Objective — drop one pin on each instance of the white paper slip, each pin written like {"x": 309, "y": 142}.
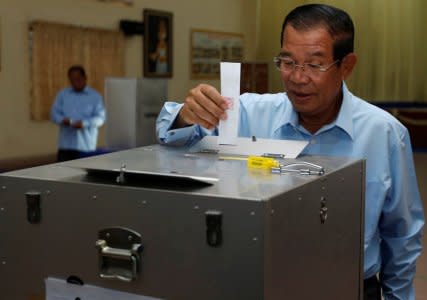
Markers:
{"x": 230, "y": 88}
{"x": 248, "y": 146}
{"x": 57, "y": 289}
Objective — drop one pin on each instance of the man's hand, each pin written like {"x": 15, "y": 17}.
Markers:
{"x": 77, "y": 125}
{"x": 66, "y": 122}
{"x": 203, "y": 106}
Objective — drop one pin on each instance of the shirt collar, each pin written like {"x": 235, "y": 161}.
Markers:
{"x": 289, "y": 117}
{"x": 85, "y": 90}
{"x": 344, "y": 119}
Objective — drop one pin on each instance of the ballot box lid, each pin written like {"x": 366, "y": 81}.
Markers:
{"x": 177, "y": 169}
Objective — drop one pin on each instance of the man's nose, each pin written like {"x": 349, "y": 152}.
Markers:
{"x": 298, "y": 75}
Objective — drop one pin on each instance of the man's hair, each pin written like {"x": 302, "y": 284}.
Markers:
{"x": 77, "y": 68}
{"x": 336, "y": 21}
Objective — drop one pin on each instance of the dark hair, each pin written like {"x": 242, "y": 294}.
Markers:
{"x": 336, "y": 21}
{"x": 77, "y": 68}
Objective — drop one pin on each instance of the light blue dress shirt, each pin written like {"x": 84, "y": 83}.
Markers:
{"x": 86, "y": 106}
{"x": 394, "y": 216}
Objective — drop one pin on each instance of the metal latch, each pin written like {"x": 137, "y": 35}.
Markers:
{"x": 213, "y": 228}
{"x": 34, "y": 211}
{"x": 120, "y": 252}
{"x": 323, "y": 210}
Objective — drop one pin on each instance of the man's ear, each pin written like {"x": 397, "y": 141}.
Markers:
{"x": 347, "y": 65}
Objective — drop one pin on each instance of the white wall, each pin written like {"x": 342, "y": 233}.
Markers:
{"x": 19, "y": 135}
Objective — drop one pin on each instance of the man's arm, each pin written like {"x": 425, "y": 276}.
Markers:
{"x": 98, "y": 116}
{"x": 184, "y": 124}
{"x": 401, "y": 225}
{"x": 56, "y": 113}
{"x": 174, "y": 133}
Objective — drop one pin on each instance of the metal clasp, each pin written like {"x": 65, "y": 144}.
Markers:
{"x": 121, "y": 178}
{"x": 303, "y": 168}
{"x": 323, "y": 210}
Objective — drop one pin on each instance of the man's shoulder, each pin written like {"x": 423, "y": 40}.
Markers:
{"x": 92, "y": 91}
{"x": 63, "y": 94}
{"x": 370, "y": 115}
{"x": 65, "y": 91}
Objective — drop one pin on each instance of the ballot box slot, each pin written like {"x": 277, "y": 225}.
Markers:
{"x": 146, "y": 180}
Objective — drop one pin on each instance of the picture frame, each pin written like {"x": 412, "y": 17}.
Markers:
{"x": 158, "y": 43}
{"x": 208, "y": 48}
{"x": 0, "y": 44}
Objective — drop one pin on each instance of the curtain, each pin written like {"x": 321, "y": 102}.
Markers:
{"x": 391, "y": 64}
{"x": 103, "y": 56}
{"x": 55, "y": 47}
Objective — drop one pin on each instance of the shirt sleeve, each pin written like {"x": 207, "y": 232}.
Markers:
{"x": 98, "y": 116}
{"x": 401, "y": 225}
{"x": 186, "y": 136}
{"x": 56, "y": 112}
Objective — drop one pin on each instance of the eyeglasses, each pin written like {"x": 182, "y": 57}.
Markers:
{"x": 288, "y": 65}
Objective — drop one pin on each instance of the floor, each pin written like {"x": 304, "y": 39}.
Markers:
{"x": 421, "y": 275}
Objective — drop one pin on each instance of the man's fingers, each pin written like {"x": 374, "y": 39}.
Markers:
{"x": 210, "y": 106}
{"x": 211, "y": 93}
{"x": 191, "y": 118}
{"x": 204, "y": 106}
{"x": 201, "y": 112}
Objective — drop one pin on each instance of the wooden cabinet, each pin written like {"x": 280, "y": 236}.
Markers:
{"x": 254, "y": 78}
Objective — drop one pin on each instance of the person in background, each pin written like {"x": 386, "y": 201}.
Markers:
{"x": 316, "y": 55}
{"x": 78, "y": 111}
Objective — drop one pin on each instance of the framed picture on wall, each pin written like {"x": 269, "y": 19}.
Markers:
{"x": 209, "y": 48}
{"x": 0, "y": 45}
{"x": 158, "y": 46}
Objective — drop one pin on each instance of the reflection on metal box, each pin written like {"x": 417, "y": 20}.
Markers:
{"x": 164, "y": 223}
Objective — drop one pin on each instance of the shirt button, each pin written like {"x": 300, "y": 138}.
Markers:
{"x": 313, "y": 141}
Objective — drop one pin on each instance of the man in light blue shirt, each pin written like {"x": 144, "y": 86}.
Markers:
{"x": 78, "y": 111}
{"x": 316, "y": 57}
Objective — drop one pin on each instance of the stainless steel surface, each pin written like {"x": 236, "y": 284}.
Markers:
{"x": 319, "y": 254}
{"x": 232, "y": 178}
{"x": 274, "y": 244}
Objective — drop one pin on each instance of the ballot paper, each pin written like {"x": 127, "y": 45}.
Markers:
{"x": 230, "y": 89}
{"x": 58, "y": 289}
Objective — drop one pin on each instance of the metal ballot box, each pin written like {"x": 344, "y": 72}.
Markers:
{"x": 163, "y": 223}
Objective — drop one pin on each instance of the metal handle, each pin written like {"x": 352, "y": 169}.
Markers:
{"x": 115, "y": 252}
{"x": 119, "y": 254}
